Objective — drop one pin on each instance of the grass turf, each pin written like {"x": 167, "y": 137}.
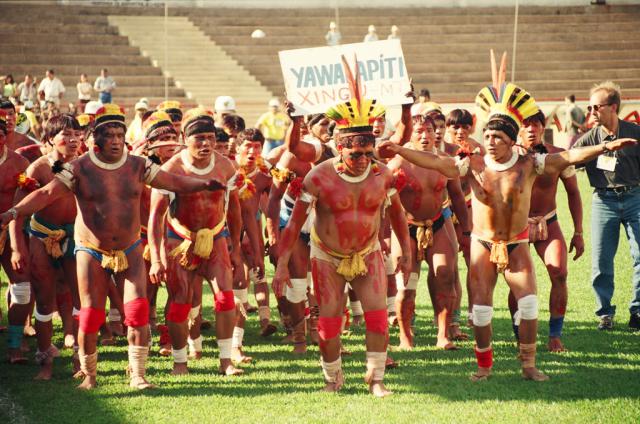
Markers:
{"x": 596, "y": 381}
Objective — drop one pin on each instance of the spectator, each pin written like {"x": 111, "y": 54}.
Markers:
{"x": 615, "y": 177}
{"x": 84, "y": 92}
{"x": 104, "y": 85}
{"x": 424, "y": 96}
{"x": 51, "y": 89}
{"x": 394, "y": 33}
{"x": 273, "y": 125}
{"x": 224, "y": 105}
{"x": 27, "y": 90}
{"x": 9, "y": 89}
{"x": 134, "y": 132}
{"x": 333, "y": 36}
{"x": 371, "y": 35}
{"x": 575, "y": 120}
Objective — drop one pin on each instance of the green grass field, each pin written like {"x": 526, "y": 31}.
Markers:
{"x": 598, "y": 380}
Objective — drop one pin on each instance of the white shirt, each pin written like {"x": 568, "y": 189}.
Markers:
{"x": 52, "y": 88}
{"x": 104, "y": 84}
{"x": 84, "y": 91}
{"x": 370, "y": 37}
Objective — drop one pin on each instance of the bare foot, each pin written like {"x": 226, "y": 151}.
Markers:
{"x": 390, "y": 363}
{"x": 69, "y": 341}
{"x": 180, "y": 369}
{"x": 238, "y": 356}
{"x": 45, "y": 372}
{"x": 446, "y": 344}
{"x": 29, "y": 331}
{"x": 335, "y": 387}
{"x": 456, "y": 335}
{"x": 357, "y": 320}
{"x": 481, "y": 375}
{"x": 378, "y": 389}
{"x": 227, "y": 368}
{"x": 165, "y": 350}
{"x": 88, "y": 383}
{"x": 196, "y": 356}
{"x": 16, "y": 357}
{"x": 117, "y": 329}
{"x": 555, "y": 345}
{"x": 534, "y": 374}
{"x": 300, "y": 348}
{"x": 267, "y": 328}
{"x": 79, "y": 375}
{"x": 141, "y": 383}
{"x": 405, "y": 345}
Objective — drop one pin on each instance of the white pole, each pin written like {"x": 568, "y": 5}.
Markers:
{"x": 166, "y": 51}
{"x": 515, "y": 40}
{"x": 337, "y": 12}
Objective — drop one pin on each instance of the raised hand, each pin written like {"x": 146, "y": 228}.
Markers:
{"x": 620, "y": 143}
{"x": 388, "y": 149}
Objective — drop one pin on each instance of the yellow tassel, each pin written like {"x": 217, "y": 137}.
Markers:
{"x": 424, "y": 237}
{"x": 115, "y": 260}
{"x": 182, "y": 250}
{"x": 352, "y": 267}
{"x": 146, "y": 253}
{"x": 52, "y": 241}
{"x": 499, "y": 255}
{"x": 204, "y": 242}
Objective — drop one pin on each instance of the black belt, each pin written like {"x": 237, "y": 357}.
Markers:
{"x": 617, "y": 190}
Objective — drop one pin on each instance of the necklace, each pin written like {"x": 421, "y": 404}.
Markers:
{"x": 108, "y": 166}
{"x": 340, "y": 169}
{"x": 184, "y": 155}
{"x": 497, "y": 166}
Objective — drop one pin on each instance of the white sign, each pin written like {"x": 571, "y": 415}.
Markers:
{"x": 315, "y": 78}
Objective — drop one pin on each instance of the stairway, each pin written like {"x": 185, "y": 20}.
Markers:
{"x": 195, "y": 63}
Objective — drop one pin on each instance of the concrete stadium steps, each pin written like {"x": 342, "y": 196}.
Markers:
{"x": 197, "y": 64}
{"x": 560, "y": 50}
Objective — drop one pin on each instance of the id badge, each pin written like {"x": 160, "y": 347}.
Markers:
{"x": 606, "y": 163}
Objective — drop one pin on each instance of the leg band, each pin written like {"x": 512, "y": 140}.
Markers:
{"x": 482, "y": 315}
{"x": 329, "y": 327}
{"x": 178, "y": 312}
{"x": 412, "y": 282}
{"x": 376, "y": 321}
{"x": 389, "y": 269}
{"x": 42, "y": 317}
{"x": 114, "y": 315}
{"x": 16, "y": 332}
{"x": 224, "y": 301}
{"x": 20, "y": 293}
{"x": 224, "y": 345}
{"x": 555, "y": 326}
{"x": 528, "y": 307}
{"x": 391, "y": 304}
{"x": 331, "y": 370}
{"x": 136, "y": 312}
{"x": 297, "y": 293}
{"x": 138, "y": 360}
{"x": 91, "y": 319}
{"x": 195, "y": 345}
{"x": 264, "y": 313}
{"x": 241, "y": 295}
{"x": 179, "y": 355}
{"x": 484, "y": 356}
{"x": 527, "y": 355}
{"x": 375, "y": 365}
{"x": 89, "y": 364}
{"x": 356, "y": 308}
{"x": 236, "y": 339}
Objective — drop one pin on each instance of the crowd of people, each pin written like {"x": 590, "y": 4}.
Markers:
{"x": 344, "y": 209}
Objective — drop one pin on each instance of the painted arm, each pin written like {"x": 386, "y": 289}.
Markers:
{"x": 273, "y": 211}
{"x": 36, "y": 200}
{"x": 234, "y": 223}
{"x": 156, "y": 227}
{"x": 556, "y": 162}
{"x": 401, "y": 229}
{"x": 252, "y": 229}
{"x": 404, "y": 128}
{"x": 575, "y": 207}
{"x": 446, "y": 166}
{"x": 302, "y": 150}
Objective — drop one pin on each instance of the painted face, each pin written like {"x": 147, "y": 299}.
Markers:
{"x": 166, "y": 152}
{"x": 459, "y": 133}
{"x": 423, "y": 136}
{"x": 112, "y": 142}
{"x": 66, "y": 142}
{"x": 248, "y": 152}
{"x": 531, "y": 132}
{"x": 439, "y": 131}
{"x": 379, "y": 125}
{"x": 320, "y": 130}
{"x": 357, "y": 157}
{"x": 498, "y": 145}
{"x": 201, "y": 145}
{"x": 602, "y": 113}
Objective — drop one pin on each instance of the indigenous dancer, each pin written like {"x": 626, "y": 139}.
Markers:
{"x": 12, "y": 167}
{"x": 49, "y": 250}
{"x": 196, "y": 240}
{"x": 107, "y": 183}
{"x": 20, "y": 143}
{"x": 348, "y": 194}
{"x": 544, "y": 229}
{"x": 501, "y": 184}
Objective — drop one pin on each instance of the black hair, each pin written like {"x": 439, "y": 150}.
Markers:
{"x": 505, "y": 124}
{"x": 58, "y": 123}
{"x": 6, "y": 104}
{"x": 234, "y": 122}
{"x": 251, "y": 134}
{"x": 459, "y": 117}
{"x": 221, "y": 135}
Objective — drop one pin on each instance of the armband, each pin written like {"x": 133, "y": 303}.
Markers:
{"x": 539, "y": 160}
{"x": 568, "y": 172}
{"x": 66, "y": 176}
{"x": 462, "y": 163}
{"x": 151, "y": 169}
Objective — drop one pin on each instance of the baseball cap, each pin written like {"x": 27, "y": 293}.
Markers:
{"x": 224, "y": 104}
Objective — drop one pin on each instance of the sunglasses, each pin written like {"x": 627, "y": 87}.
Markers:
{"x": 596, "y": 108}
{"x": 358, "y": 155}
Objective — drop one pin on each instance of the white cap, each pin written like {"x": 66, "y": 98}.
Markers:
{"x": 143, "y": 104}
{"x": 224, "y": 104}
{"x": 274, "y": 103}
{"x": 394, "y": 28}
{"x": 372, "y": 28}
{"x": 258, "y": 33}
{"x": 92, "y": 107}
{"x": 416, "y": 109}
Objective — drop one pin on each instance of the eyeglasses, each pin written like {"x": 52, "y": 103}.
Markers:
{"x": 358, "y": 155}
{"x": 596, "y": 108}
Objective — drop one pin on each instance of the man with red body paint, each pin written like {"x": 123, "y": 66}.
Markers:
{"x": 196, "y": 240}
{"x": 349, "y": 194}
{"x": 107, "y": 184}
